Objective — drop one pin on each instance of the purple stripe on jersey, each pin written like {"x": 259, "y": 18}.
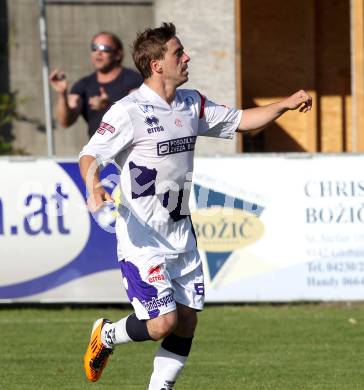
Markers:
{"x": 142, "y": 180}
{"x": 139, "y": 289}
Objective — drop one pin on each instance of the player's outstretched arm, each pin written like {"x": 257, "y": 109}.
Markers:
{"x": 258, "y": 118}
{"x": 97, "y": 194}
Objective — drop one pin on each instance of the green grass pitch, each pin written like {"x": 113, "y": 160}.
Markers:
{"x": 236, "y": 347}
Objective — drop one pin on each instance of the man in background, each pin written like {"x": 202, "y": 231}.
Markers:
{"x": 92, "y": 96}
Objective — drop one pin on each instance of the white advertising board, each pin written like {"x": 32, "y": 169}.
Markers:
{"x": 302, "y": 235}
{"x": 270, "y": 228}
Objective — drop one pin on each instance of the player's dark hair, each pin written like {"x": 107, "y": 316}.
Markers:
{"x": 151, "y": 45}
{"x": 115, "y": 40}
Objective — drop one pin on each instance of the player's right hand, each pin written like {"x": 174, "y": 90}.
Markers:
{"x": 300, "y": 100}
{"x": 96, "y": 200}
{"x": 58, "y": 81}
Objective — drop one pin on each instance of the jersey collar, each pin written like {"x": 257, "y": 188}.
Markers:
{"x": 151, "y": 95}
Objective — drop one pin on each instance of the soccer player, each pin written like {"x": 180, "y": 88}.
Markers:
{"x": 151, "y": 135}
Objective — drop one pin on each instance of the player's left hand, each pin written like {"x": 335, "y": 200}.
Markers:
{"x": 99, "y": 102}
{"x": 300, "y": 100}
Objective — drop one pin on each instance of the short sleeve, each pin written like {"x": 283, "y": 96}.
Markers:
{"x": 78, "y": 88}
{"x": 217, "y": 120}
{"x": 136, "y": 79}
{"x": 114, "y": 134}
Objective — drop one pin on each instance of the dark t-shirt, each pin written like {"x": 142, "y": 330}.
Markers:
{"x": 88, "y": 86}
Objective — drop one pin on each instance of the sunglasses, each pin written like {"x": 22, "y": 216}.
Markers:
{"x": 101, "y": 47}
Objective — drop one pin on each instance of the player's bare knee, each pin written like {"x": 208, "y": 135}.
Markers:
{"x": 166, "y": 327}
{"x": 162, "y": 326}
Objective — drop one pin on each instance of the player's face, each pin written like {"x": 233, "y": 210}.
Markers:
{"x": 104, "y": 55}
{"x": 175, "y": 62}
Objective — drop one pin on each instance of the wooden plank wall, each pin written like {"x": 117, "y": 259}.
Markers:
{"x": 288, "y": 45}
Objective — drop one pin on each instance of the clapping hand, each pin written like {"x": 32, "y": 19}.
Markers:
{"x": 99, "y": 102}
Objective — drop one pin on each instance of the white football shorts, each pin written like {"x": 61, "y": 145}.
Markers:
{"x": 155, "y": 284}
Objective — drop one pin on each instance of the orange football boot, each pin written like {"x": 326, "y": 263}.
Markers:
{"x": 97, "y": 355}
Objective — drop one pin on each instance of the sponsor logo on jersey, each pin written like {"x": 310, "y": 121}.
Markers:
{"x": 104, "y": 127}
{"x": 156, "y": 303}
{"x": 155, "y": 275}
{"x": 151, "y": 120}
{"x": 177, "y": 145}
{"x": 146, "y": 108}
{"x": 153, "y": 123}
{"x": 178, "y": 122}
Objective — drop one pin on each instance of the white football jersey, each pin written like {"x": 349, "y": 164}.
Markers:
{"x": 153, "y": 143}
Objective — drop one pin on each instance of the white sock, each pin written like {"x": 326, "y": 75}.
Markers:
{"x": 167, "y": 367}
{"x": 115, "y": 333}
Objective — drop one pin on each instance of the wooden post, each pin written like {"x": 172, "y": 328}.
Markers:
{"x": 357, "y": 74}
{"x": 238, "y": 68}
{"x": 313, "y": 141}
